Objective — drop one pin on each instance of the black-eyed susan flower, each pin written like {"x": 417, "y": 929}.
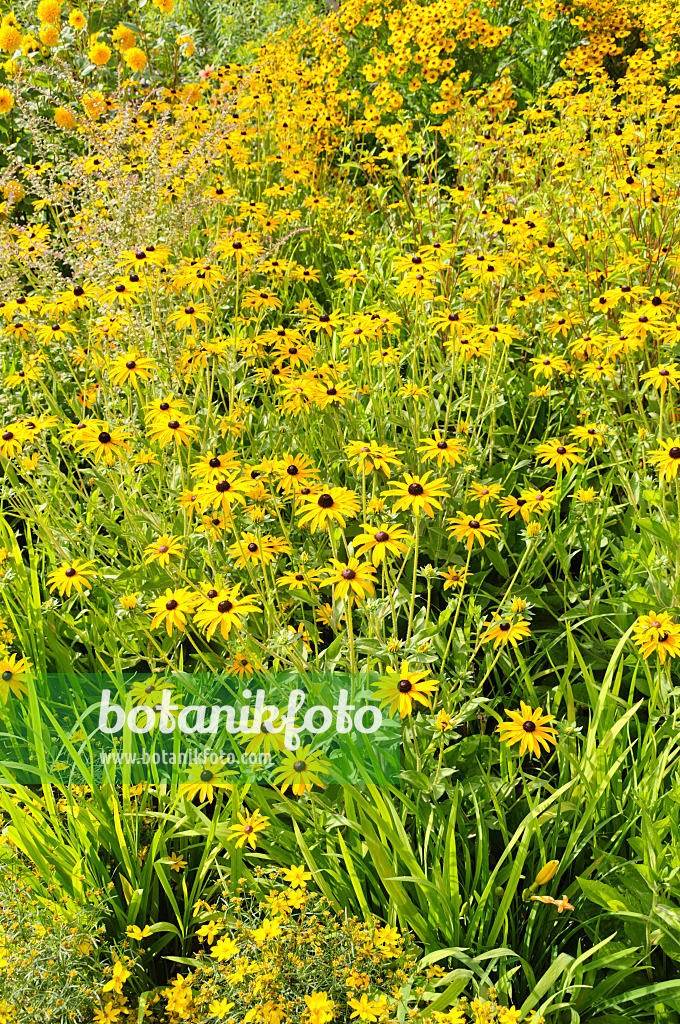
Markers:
{"x": 76, "y": 575}
{"x": 203, "y": 780}
{"x": 224, "y": 610}
{"x": 179, "y": 431}
{"x": 418, "y": 493}
{"x": 335, "y": 505}
{"x": 248, "y": 828}
{"x": 12, "y": 672}
{"x": 172, "y": 608}
{"x": 352, "y": 579}
{"x": 131, "y": 366}
{"x": 190, "y": 316}
{"x": 295, "y": 472}
{"x": 223, "y": 493}
{"x": 303, "y": 578}
{"x": 528, "y": 728}
{"x": 505, "y": 631}
{"x": 401, "y": 690}
{"x": 591, "y": 433}
{"x": 440, "y": 449}
{"x": 12, "y": 439}
{"x": 663, "y": 376}
{"x": 380, "y": 541}
{"x": 163, "y": 550}
{"x": 558, "y": 455}
{"x": 539, "y": 499}
{"x": 249, "y": 548}
{"x": 484, "y": 493}
{"x": 453, "y": 577}
{"x": 369, "y": 455}
{"x": 667, "y": 458}
{"x": 657, "y": 633}
{"x": 472, "y": 528}
{"x": 102, "y": 441}
{"x": 300, "y": 770}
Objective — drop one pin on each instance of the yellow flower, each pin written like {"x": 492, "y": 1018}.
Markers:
{"x": 6, "y": 101}
{"x": 135, "y": 58}
{"x": 71, "y": 576}
{"x": 120, "y": 976}
{"x": 247, "y": 828}
{"x": 100, "y": 54}
{"x": 401, "y": 690}
{"x": 63, "y": 118}
{"x": 133, "y": 931}
{"x": 77, "y": 20}
{"x": 546, "y": 874}
{"x": 506, "y": 632}
{"x": 320, "y": 1009}
{"x": 224, "y": 949}
{"x": 49, "y": 12}
{"x": 418, "y": 493}
{"x": 471, "y": 528}
{"x": 49, "y": 35}
{"x": 529, "y": 729}
{"x": 177, "y": 862}
{"x": 268, "y": 930}
{"x": 167, "y": 546}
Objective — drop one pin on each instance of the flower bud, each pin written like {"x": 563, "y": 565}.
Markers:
{"x": 547, "y": 872}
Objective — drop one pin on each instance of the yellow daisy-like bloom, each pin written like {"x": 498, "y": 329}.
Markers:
{"x": 202, "y": 782}
{"x": 12, "y": 669}
{"x": 224, "y": 609}
{"x": 172, "y": 608}
{"x": 294, "y": 473}
{"x": 503, "y": 632}
{"x": 71, "y": 576}
{"x": 539, "y": 500}
{"x": 247, "y": 829}
{"x": 223, "y": 493}
{"x": 131, "y": 366}
{"x": 589, "y": 432}
{"x": 380, "y": 541}
{"x": 369, "y": 455}
{"x": 181, "y": 431}
{"x": 662, "y": 376}
{"x": 250, "y": 548}
{"x": 451, "y": 452}
{"x": 560, "y": 456}
{"x": 103, "y": 441}
{"x": 667, "y": 458}
{"x": 167, "y": 546}
{"x": 190, "y": 316}
{"x": 418, "y": 493}
{"x": 353, "y": 578}
{"x": 335, "y": 505}
{"x": 77, "y": 20}
{"x": 401, "y": 690}
{"x": 657, "y": 633}
{"x": 454, "y": 577}
{"x": 529, "y": 729}
{"x": 472, "y": 528}
{"x": 300, "y": 770}
{"x": 485, "y": 492}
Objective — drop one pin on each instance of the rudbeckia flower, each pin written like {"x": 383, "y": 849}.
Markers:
{"x": 404, "y": 689}
{"x": 528, "y": 728}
